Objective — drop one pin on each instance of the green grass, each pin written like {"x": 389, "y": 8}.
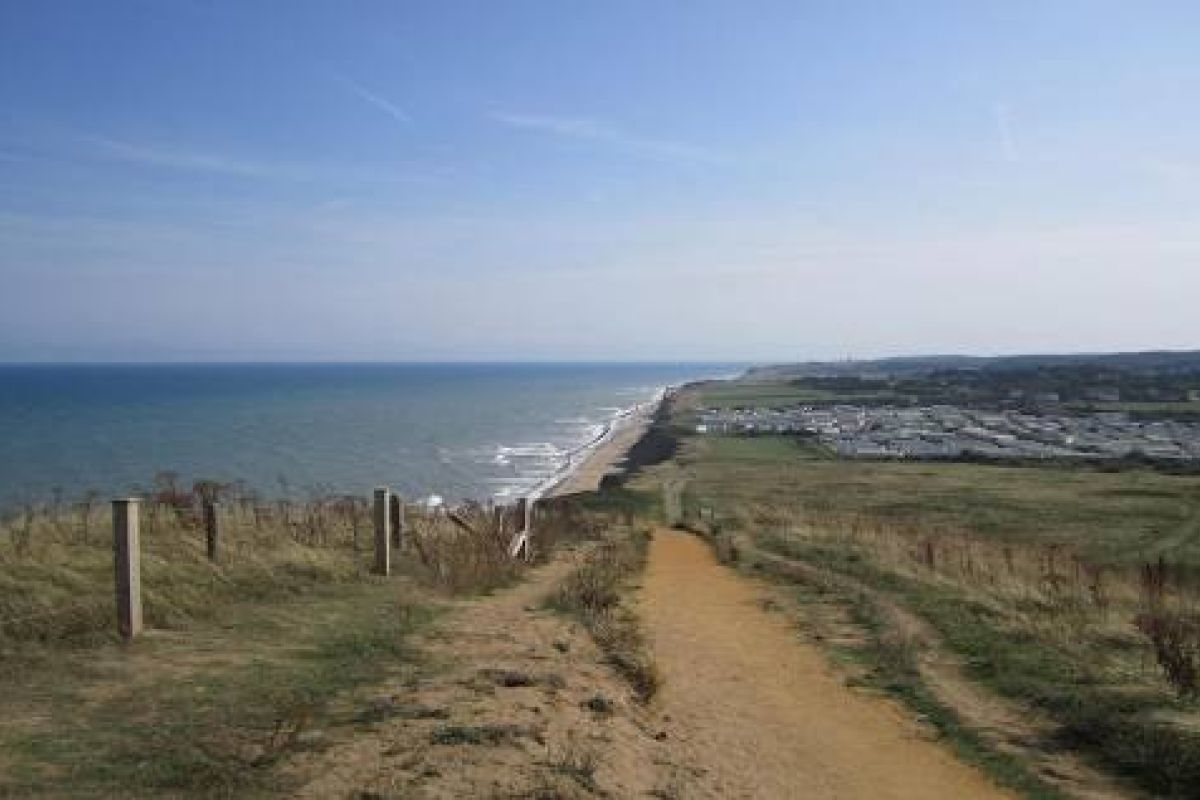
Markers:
{"x": 763, "y": 449}
{"x": 1186, "y": 406}
{"x": 893, "y": 668}
{"x": 1118, "y": 517}
{"x": 205, "y": 715}
{"x": 888, "y": 660}
{"x": 58, "y": 586}
{"x": 747, "y": 394}
{"x": 1111, "y": 719}
{"x": 243, "y": 661}
{"x": 1053, "y": 649}
{"x": 616, "y": 500}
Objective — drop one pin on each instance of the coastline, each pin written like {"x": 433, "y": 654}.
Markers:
{"x": 589, "y": 463}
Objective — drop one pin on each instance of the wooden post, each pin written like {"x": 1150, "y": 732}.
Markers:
{"x": 128, "y": 564}
{"x": 521, "y": 541}
{"x": 397, "y": 512}
{"x": 212, "y": 530}
{"x": 520, "y": 514}
{"x": 383, "y": 539}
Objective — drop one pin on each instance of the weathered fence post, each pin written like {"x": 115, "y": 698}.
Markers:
{"x": 383, "y": 539}
{"x": 128, "y": 564}
{"x": 520, "y": 546}
{"x": 212, "y": 530}
{"x": 520, "y": 514}
{"x": 397, "y": 512}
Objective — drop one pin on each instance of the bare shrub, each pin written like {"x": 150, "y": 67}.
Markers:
{"x": 463, "y": 551}
{"x": 1172, "y": 629}
{"x": 1175, "y": 637}
{"x": 591, "y": 593}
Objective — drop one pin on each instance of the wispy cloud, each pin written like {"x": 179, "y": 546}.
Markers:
{"x": 379, "y": 101}
{"x": 175, "y": 158}
{"x": 1004, "y": 132}
{"x": 601, "y": 133}
{"x": 186, "y": 160}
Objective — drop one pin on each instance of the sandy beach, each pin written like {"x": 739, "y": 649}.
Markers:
{"x": 608, "y": 455}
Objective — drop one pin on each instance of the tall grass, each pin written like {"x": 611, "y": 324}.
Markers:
{"x": 1109, "y": 650}
{"x": 56, "y": 567}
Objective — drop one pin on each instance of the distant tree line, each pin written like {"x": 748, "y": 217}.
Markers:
{"x": 1005, "y": 386}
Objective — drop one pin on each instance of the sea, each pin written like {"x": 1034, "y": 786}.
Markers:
{"x": 430, "y": 431}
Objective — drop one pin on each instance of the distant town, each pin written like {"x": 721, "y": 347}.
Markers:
{"x": 947, "y": 431}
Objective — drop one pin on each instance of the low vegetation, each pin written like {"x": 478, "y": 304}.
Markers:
{"x": 1073, "y": 593}
{"x": 1164, "y": 385}
{"x": 593, "y": 594}
{"x": 248, "y": 658}
{"x": 205, "y": 715}
{"x": 56, "y": 561}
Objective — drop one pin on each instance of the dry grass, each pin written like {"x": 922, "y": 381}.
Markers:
{"x": 593, "y": 593}
{"x": 244, "y": 655}
{"x": 56, "y": 566}
{"x": 56, "y": 580}
{"x": 1051, "y": 591}
{"x": 1032, "y": 576}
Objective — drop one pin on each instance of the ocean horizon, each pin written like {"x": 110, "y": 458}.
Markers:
{"x": 455, "y": 430}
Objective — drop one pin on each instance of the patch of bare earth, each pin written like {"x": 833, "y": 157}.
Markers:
{"x": 513, "y": 700}
{"x": 753, "y": 711}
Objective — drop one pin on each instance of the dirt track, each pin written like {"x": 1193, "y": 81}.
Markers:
{"x": 756, "y": 712}
{"x": 748, "y": 709}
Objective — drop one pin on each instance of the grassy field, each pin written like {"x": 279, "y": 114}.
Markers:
{"x": 245, "y": 661}
{"x": 745, "y": 394}
{"x": 772, "y": 394}
{"x": 1118, "y": 517}
{"x": 1046, "y": 582}
{"x": 205, "y": 711}
{"x": 1182, "y": 411}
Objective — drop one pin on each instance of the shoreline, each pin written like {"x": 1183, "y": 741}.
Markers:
{"x": 589, "y": 463}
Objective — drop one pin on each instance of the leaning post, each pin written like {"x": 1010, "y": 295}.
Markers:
{"x": 212, "y": 531}
{"x": 397, "y": 512}
{"x": 127, "y": 559}
{"x": 521, "y": 542}
{"x": 519, "y": 514}
{"x": 383, "y": 539}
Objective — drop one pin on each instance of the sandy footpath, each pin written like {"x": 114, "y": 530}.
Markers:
{"x": 756, "y": 712}
{"x": 511, "y": 700}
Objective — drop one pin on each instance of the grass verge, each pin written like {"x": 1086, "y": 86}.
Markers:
{"x": 592, "y": 594}
{"x": 204, "y": 716}
{"x": 1121, "y": 726}
{"x": 892, "y": 664}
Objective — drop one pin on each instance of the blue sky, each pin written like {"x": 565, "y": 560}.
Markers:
{"x": 596, "y": 180}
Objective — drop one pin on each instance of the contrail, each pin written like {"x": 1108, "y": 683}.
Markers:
{"x": 379, "y": 101}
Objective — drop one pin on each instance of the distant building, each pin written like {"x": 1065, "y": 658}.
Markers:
{"x": 1046, "y": 399}
{"x": 1101, "y": 394}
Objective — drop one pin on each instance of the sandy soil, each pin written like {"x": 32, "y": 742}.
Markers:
{"x": 606, "y": 457}
{"x": 755, "y": 712}
{"x": 514, "y": 701}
